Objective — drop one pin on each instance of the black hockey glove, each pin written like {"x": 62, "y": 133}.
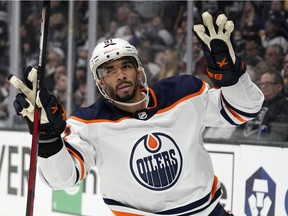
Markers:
{"x": 53, "y": 118}
{"x": 224, "y": 68}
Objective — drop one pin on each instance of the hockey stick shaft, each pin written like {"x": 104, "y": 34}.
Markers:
{"x": 37, "y": 110}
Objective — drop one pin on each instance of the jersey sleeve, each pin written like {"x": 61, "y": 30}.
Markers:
{"x": 233, "y": 105}
{"x": 73, "y": 162}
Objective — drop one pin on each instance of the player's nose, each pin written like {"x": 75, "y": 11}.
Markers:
{"x": 121, "y": 74}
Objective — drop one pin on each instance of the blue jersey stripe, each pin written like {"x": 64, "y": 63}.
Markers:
{"x": 179, "y": 210}
{"x": 248, "y": 115}
{"x": 226, "y": 116}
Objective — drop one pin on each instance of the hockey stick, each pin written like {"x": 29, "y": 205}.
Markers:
{"x": 37, "y": 110}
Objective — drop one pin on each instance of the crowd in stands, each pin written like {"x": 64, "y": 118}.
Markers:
{"x": 159, "y": 31}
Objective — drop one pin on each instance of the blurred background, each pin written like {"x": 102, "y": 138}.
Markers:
{"x": 249, "y": 160}
{"x": 161, "y": 31}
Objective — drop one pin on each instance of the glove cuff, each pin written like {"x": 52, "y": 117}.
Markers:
{"x": 47, "y": 149}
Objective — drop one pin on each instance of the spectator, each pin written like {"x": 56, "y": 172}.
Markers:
{"x": 111, "y": 33}
{"x": 152, "y": 69}
{"x": 274, "y": 56}
{"x": 82, "y": 32}
{"x": 170, "y": 61}
{"x": 60, "y": 89}
{"x": 58, "y": 31}
{"x": 257, "y": 71}
{"x": 159, "y": 59}
{"x": 157, "y": 32}
{"x": 274, "y": 33}
{"x": 252, "y": 53}
{"x": 55, "y": 57}
{"x": 274, "y": 108}
{"x": 284, "y": 73}
{"x": 280, "y": 14}
{"x": 130, "y": 36}
{"x": 122, "y": 18}
{"x": 80, "y": 76}
{"x": 29, "y": 53}
{"x": 180, "y": 37}
{"x": 122, "y": 13}
{"x": 4, "y": 93}
{"x": 276, "y": 6}
{"x": 148, "y": 9}
{"x": 198, "y": 61}
{"x": 4, "y": 45}
{"x": 238, "y": 39}
{"x": 80, "y": 89}
{"x": 100, "y": 32}
{"x": 136, "y": 23}
{"x": 173, "y": 13}
{"x": 253, "y": 50}
{"x": 31, "y": 26}
{"x": 250, "y": 20}
{"x": 59, "y": 71}
{"x": 210, "y": 6}
{"x": 81, "y": 9}
{"x": 82, "y": 55}
{"x": 57, "y": 6}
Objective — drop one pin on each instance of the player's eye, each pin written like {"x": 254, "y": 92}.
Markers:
{"x": 127, "y": 66}
{"x": 110, "y": 70}
{"x": 102, "y": 72}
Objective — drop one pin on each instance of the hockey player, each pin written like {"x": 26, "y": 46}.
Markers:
{"x": 146, "y": 142}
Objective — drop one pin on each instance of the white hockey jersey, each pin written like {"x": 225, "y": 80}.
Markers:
{"x": 153, "y": 162}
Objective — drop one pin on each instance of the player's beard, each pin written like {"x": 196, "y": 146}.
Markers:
{"x": 128, "y": 97}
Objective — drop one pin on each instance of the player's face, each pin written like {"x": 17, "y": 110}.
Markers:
{"x": 121, "y": 80}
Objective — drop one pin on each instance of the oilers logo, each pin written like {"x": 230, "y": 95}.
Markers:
{"x": 156, "y": 161}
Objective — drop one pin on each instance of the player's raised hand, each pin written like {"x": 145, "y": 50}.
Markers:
{"x": 25, "y": 100}
{"x": 223, "y": 66}
{"x": 53, "y": 118}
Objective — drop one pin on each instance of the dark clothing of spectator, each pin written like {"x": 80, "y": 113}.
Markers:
{"x": 277, "y": 110}
{"x": 271, "y": 122}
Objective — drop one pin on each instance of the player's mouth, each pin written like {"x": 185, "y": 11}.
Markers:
{"x": 124, "y": 87}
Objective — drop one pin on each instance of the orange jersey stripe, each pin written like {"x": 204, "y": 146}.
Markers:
{"x": 80, "y": 161}
{"x": 183, "y": 99}
{"x": 236, "y": 115}
{"x": 214, "y": 187}
{"x": 117, "y": 213}
{"x": 97, "y": 120}
{"x": 106, "y": 120}
{"x": 155, "y": 101}
{"x": 154, "y": 98}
